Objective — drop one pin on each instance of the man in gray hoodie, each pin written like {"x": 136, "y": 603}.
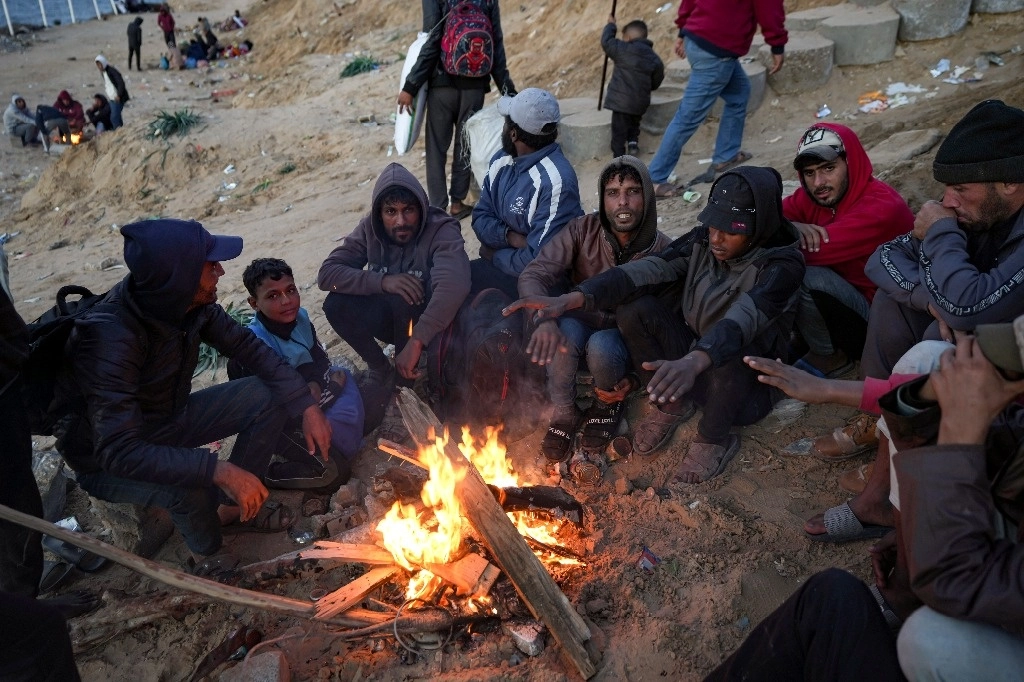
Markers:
{"x": 399, "y": 277}
{"x": 18, "y": 121}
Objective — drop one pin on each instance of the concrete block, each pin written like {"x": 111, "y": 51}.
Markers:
{"x": 862, "y": 35}
{"x": 927, "y": 19}
{"x": 269, "y": 666}
{"x": 997, "y": 6}
{"x": 809, "y": 19}
{"x": 586, "y": 134}
{"x": 664, "y": 104}
{"x": 902, "y": 146}
{"x": 809, "y": 58}
{"x": 870, "y": 3}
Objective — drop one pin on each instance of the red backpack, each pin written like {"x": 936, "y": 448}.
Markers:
{"x": 467, "y": 45}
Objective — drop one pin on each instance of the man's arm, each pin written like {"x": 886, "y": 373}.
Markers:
{"x": 449, "y": 283}
{"x": 429, "y": 53}
{"x": 344, "y": 269}
{"x": 488, "y": 224}
{"x": 499, "y": 66}
{"x": 107, "y": 368}
{"x": 609, "y": 43}
{"x": 965, "y": 297}
{"x": 957, "y": 565}
{"x": 552, "y": 264}
{"x": 894, "y": 267}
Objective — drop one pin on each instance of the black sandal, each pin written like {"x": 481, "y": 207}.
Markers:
{"x": 558, "y": 440}
{"x": 600, "y": 424}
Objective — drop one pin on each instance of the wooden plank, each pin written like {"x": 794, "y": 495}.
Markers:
{"x": 508, "y": 548}
{"x": 465, "y": 573}
{"x": 357, "y": 554}
{"x": 400, "y": 451}
{"x": 170, "y": 576}
{"x": 348, "y": 596}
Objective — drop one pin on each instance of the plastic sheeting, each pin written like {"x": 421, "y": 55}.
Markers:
{"x": 484, "y": 132}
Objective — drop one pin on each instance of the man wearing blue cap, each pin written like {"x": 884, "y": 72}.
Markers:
{"x": 135, "y": 431}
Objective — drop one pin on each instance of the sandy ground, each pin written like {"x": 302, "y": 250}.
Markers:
{"x": 731, "y": 549}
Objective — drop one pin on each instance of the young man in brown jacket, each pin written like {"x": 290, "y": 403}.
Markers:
{"x": 623, "y": 229}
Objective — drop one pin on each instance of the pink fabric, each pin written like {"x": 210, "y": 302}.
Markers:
{"x": 876, "y": 388}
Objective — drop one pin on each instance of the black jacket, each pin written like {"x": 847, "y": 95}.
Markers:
{"x": 101, "y": 115}
{"x": 133, "y": 367}
{"x": 135, "y": 34}
{"x": 429, "y": 67}
{"x": 638, "y": 70}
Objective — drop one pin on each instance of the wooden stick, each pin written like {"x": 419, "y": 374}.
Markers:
{"x": 170, "y": 576}
{"x": 468, "y": 574}
{"x": 348, "y": 596}
{"x": 400, "y": 451}
{"x": 509, "y": 549}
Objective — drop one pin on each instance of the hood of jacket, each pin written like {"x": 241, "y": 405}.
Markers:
{"x": 771, "y": 228}
{"x": 102, "y": 60}
{"x": 14, "y": 101}
{"x": 166, "y": 259}
{"x": 138, "y": 20}
{"x": 395, "y": 174}
{"x": 858, "y": 178}
{"x": 65, "y": 97}
{"x": 647, "y": 232}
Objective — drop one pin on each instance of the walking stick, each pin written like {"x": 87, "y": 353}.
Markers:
{"x": 604, "y": 69}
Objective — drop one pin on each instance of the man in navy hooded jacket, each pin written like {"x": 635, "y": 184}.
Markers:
{"x": 136, "y": 429}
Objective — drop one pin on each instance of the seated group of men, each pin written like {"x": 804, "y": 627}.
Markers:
{"x": 693, "y": 321}
{"x": 35, "y": 127}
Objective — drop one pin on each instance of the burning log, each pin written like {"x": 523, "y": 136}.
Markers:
{"x": 322, "y": 556}
{"x": 472, "y": 575}
{"x": 507, "y": 546}
{"x": 549, "y": 500}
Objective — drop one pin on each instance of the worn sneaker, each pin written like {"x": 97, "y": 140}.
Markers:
{"x": 859, "y": 435}
{"x": 632, "y": 148}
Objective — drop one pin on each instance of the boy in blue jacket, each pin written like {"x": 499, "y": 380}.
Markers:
{"x": 283, "y": 324}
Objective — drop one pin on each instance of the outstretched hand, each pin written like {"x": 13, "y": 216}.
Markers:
{"x": 547, "y": 307}
{"x": 794, "y": 382}
{"x": 673, "y": 379}
{"x": 546, "y": 341}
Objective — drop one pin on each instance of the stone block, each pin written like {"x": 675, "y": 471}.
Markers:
{"x": 927, "y": 19}
{"x": 664, "y": 103}
{"x": 133, "y": 528}
{"x": 997, "y": 6}
{"x": 809, "y": 19}
{"x": 528, "y": 636}
{"x": 809, "y": 58}
{"x": 586, "y": 134}
{"x": 862, "y": 35}
{"x": 677, "y": 72}
{"x": 902, "y": 146}
{"x": 269, "y": 666}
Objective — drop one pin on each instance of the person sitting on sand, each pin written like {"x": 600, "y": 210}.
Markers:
{"x": 19, "y": 121}
{"x": 71, "y": 110}
{"x": 399, "y": 277}
{"x": 99, "y": 113}
{"x": 135, "y": 430}
{"x": 624, "y": 229}
{"x": 283, "y": 324}
{"x": 733, "y": 282}
{"x": 948, "y": 578}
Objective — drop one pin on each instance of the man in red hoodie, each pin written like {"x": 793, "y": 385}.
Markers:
{"x": 843, "y": 214}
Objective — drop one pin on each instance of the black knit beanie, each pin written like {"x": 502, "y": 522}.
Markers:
{"x": 986, "y": 145}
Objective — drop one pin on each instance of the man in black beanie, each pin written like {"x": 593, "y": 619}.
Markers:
{"x": 961, "y": 266}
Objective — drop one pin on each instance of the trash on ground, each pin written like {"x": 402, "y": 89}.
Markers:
{"x": 823, "y": 112}
{"x": 647, "y": 561}
{"x": 940, "y": 68}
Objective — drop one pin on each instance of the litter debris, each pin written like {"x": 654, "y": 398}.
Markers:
{"x": 873, "y": 102}
{"x": 823, "y": 112}
{"x": 664, "y": 8}
{"x": 992, "y": 58}
{"x": 775, "y": 139}
{"x": 229, "y": 169}
{"x": 8, "y": 236}
{"x": 647, "y": 561}
{"x": 940, "y": 68}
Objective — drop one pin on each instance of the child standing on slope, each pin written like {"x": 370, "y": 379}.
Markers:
{"x": 638, "y": 71}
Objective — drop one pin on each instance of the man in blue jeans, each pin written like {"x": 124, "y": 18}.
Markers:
{"x": 113, "y": 85}
{"x": 624, "y": 228}
{"x": 135, "y": 429}
{"x": 713, "y": 35}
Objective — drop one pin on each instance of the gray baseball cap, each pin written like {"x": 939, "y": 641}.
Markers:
{"x": 533, "y": 110}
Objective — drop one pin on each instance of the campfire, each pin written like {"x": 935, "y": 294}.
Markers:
{"x": 432, "y": 535}
{"x": 76, "y": 138}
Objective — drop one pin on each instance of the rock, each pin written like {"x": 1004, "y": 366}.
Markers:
{"x": 133, "y": 528}
{"x": 270, "y": 666}
{"x": 528, "y": 636}
{"x": 347, "y": 495}
{"x": 997, "y": 6}
{"x": 623, "y": 486}
{"x": 314, "y": 506}
{"x": 598, "y": 607}
{"x": 902, "y": 147}
{"x": 809, "y": 59}
{"x": 927, "y": 20}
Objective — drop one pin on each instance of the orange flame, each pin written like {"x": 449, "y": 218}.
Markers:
{"x": 410, "y": 329}
{"x": 414, "y": 538}
{"x": 76, "y": 138}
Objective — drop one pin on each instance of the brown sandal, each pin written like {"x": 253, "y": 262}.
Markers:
{"x": 657, "y": 427}
{"x": 707, "y": 460}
